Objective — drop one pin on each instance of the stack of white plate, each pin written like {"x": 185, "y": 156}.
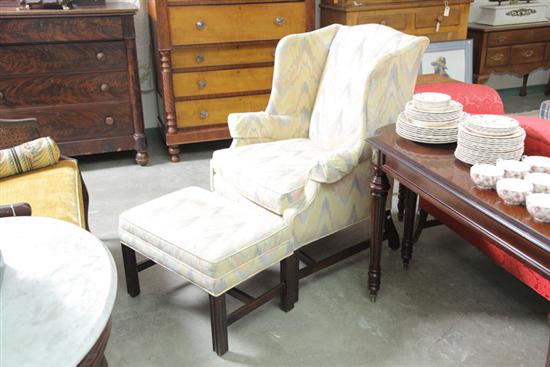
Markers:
{"x": 431, "y": 118}
{"x": 486, "y": 138}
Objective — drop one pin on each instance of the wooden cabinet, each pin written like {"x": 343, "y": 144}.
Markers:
{"x": 420, "y": 18}
{"x": 517, "y": 49}
{"x": 76, "y": 72}
{"x": 215, "y": 57}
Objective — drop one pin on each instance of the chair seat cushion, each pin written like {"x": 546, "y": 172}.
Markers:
{"x": 209, "y": 240}
{"x": 476, "y": 98}
{"x": 54, "y": 191}
{"x": 272, "y": 175}
{"x": 537, "y": 140}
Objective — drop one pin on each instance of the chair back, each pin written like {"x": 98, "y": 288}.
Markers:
{"x": 369, "y": 74}
{"x": 15, "y": 132}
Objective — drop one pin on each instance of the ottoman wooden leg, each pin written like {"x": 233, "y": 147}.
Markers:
{"x": 130, "y": 270}
{"x": 218, "y": 320}
{"x": 289, "y": 277}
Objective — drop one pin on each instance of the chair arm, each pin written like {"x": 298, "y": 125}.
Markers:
{"x": 261, "y": 125}
{"x": 15, "y": 210}
{"x": 333, "y": 166}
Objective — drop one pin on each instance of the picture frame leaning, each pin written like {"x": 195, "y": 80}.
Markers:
{"x": 453, "y": 59}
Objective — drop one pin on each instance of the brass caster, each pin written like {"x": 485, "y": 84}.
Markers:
{"x": 373, "y": 298}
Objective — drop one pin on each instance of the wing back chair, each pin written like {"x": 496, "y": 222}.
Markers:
{"x": 305, "y": 157}
{"x": 56, "y": 191}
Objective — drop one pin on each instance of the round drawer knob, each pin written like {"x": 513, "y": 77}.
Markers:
{"x": 383, "y": 22}
{"x": 200, "y": 25}
{"x": 100, "y": 56}
{"x": 279, "y": 20}
{"x": 204, "y": 114}
{"x": 202, "y": 84}
{"x": 1, "y": 96}
{"x": 199, "y": 58}
{"x": 104, "y": 87}
{"x": 109, "y": 120}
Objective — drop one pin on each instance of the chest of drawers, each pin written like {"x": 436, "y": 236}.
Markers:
{"x": 419, "y": 18}
{"x": 76, "y": 72}
{"x": 215, "y": 57}
{"x": 518, "y": 49}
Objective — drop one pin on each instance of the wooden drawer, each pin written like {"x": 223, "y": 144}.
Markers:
{"x": 204, "y": 112}
{"x": 68, "y": 57}
{"x": 396, "y": 21}
{"x": 63, "y": 89}
{"x": 88, "y": 121}
{"x": 223, "y": 55}
{"x": 497, "y": 56}
{"x": 60, "y": 29}
{"x": 525, "y": 54}
{"x": 235, "y": 23}
{"x": 222, "y": 81}
{"x": 427, "y": 17}
{"x": 519, "y": 36}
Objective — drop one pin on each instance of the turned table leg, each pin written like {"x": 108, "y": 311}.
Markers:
{"x": 379, "y": 187}
{"x": 408, "y": 231}
{"x": 401, "y": 201}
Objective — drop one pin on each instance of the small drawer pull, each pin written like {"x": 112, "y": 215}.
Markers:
{"x": 202, "y": 84}
{"x": 497, "y": 57}
{"x": 279, "y": 20}
{"x": 104, "y": 87}
{"x": 200, "y": 25}
{"x": 199, "y": 58}
{"x": 528, "y": 54}
{"x": 109, "y": 121}
{"x": 203, "y": 115}
{"x": 1, "y": 96}
{"x": 501, "y": 39}
{"x": 383, "y": 22}
{"x": 439, "y": 19}
{"x": 100, "y": 56}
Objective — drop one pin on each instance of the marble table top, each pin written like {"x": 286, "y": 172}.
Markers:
{"x": 57, "y": 292}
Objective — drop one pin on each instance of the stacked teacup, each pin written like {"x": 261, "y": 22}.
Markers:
{"x": 518, "y": 182}
{"x": 430, "y": 118}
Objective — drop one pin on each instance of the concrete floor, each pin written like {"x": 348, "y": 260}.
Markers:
{"x": 453, "y": 307}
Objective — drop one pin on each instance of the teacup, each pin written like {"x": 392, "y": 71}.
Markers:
{"x": 538, "y": 206}
{"x": 513, "y": 168}
{"x": 540, "y": 181}
{"x": 485, "y": 176}
{"x": 538, "y": 163}
{"x": 513, "y": 190}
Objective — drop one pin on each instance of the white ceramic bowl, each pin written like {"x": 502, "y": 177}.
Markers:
{"x": 540, "y": 181}
{"x": 538, "y": 206}
{"x": 485, "y": 176}
{"x": 513, "y": 190}
{"x": 513, "y": 168}
{"x": 538, "y": 163}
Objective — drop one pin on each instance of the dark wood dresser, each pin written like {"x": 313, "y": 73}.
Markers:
{"x": 76, "y": 72}
{"x": 517, "y": 49}
{"x": 420, "y": 18}
{"x": 215, "y": 57}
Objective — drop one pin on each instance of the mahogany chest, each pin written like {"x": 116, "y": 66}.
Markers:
{"x": 517, "y": 49}
{"x": 215, "y": 57}
{"x": 421, "y": 18}
{"x": 76, "y": 72}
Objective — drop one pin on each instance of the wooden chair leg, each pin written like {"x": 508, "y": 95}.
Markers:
{"x": 422, "y": 220}
{"x": 218, "y": 320}
{"x": 290, "y": 279}
{"x": 130, "y": 270}
{"x": 402, "y": 190}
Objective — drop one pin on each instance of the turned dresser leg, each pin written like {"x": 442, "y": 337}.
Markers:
{"x": 523, "y": 89}
{"x": 174, "y": 152}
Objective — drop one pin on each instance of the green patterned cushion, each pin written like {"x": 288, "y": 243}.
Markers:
{"x": 28, "y": 156}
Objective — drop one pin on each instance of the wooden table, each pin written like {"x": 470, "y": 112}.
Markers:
{"x": 58, "y": 286}
{"x": 519, "y": 49}
{"x": 432, "y": 172}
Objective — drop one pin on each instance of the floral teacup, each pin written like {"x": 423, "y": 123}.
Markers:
{"x": 485, "y": 176}
{"x": 538, "y": 163}
{"x": 538, "y": 206}
{"x": 513, "y": 169}
{"x": 540, "y": 181}
{"x": 513, "y": 190}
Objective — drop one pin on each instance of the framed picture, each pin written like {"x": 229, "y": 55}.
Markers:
{"x": 452, "y": 59}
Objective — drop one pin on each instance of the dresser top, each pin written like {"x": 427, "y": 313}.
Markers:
{"x": 108, "y": 9}
{"x": 510, "y": 27}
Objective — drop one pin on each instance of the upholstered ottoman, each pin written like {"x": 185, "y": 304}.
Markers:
{"x": 214, "y": 243}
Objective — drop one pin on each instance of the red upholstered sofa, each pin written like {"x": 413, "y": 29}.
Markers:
{"x": 481, "y": 99}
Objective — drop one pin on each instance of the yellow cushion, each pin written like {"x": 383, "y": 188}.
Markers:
{"x": 38, "y": 153}
{"x": 53, "y": 191}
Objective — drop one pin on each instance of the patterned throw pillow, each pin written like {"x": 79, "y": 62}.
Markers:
{"x": 28, "y": 156}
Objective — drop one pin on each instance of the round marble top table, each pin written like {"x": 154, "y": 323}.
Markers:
{"x": 57, "y": 290}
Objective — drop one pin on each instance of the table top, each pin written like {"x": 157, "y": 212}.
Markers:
{"x": 57, "y": 291}
{"x": 434, "y": 168}
{"x": 93, "y": 10}
{"x": 507, "y": 27}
